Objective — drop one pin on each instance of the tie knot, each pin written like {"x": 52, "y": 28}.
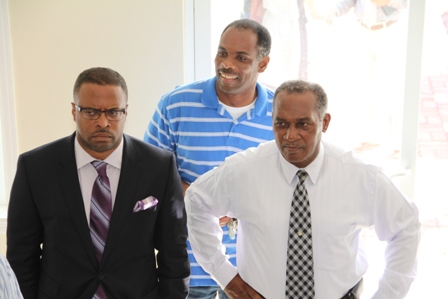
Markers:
{"x": 100, "y": 167}
{"x": 302, "y": 174}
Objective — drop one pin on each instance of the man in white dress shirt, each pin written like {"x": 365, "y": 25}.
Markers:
{"x": 345, "y": 194}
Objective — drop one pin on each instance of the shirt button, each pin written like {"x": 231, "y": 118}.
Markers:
{"x": 101, "y": 275}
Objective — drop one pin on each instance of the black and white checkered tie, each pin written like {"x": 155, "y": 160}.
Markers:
{"x": 299, "y": 264}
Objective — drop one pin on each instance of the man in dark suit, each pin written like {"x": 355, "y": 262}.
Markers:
{"x": 53, "y": 245}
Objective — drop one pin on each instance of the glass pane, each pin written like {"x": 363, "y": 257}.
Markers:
{"x": 431, "y": 192}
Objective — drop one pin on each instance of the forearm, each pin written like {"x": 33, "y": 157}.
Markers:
{"x": 173, "y": 264}
{"x": 397, "y": 222}
{"x": 24, "y": 235}
{"x": 400, "y": 269}
{"x": 205, "y": 236}
{"x": 173, "y": 273}
{"x": 185, "y": 186}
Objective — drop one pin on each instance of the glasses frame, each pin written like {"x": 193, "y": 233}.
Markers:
{"x": 106, "y": 112}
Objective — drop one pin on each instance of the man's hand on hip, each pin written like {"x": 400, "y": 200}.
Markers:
{"x": 239, "y": 289}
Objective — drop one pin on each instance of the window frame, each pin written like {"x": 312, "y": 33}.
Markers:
{"x": 7, "y": 109}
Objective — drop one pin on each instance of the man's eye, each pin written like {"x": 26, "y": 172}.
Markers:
{"x": 113, "y": 112}
{"x": 90, "y": 111}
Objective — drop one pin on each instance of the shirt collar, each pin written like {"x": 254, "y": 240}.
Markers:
{"x": 313, "y": 169}
{"x": 83, "y": 158}
{"x": 210, "y": 99}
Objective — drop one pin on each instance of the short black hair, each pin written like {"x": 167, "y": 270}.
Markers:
{"x": 100, "y": 76}
{"x": 302, "y": 86}
{"x": 263, "y": 35}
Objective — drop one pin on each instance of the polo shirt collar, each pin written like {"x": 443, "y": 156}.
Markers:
{"x": 210, "y": 99}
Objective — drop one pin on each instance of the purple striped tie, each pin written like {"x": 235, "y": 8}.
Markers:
{"x": 100, "y": 213}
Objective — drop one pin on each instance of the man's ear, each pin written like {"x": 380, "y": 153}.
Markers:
{"x": 74, "y": 111}
{"x": 263, "y": 64}
{"x": 326, "y": 122}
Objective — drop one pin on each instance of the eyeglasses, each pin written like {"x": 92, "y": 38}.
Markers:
{"x": 93, "y": 114}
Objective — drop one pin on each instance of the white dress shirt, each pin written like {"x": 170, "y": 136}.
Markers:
{"x": 256, "y": 187}
{"x": 9, "y": 287}
{"x": 87, "y": 173}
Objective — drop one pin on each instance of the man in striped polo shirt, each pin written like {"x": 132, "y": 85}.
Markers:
{"x": 206, "y": 121}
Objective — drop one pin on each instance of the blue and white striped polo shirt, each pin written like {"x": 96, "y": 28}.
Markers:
{"x": 192, "y": 123}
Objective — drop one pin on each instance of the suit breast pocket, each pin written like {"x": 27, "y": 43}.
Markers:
{"x": 143, "y": 215}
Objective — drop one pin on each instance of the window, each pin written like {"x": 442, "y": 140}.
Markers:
{"x": 364, "y": 80}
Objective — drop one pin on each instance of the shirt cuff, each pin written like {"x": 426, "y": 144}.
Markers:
{"x": 225, "y": 273}
{"x": 394, "y": 285}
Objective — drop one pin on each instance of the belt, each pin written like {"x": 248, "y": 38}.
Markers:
{"x": 355, "y": 292}
{"x": 379, "y": 25}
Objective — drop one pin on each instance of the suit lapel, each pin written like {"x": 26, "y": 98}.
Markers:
{"x": 129, "y": 177}
{"x": 69, "y": 181}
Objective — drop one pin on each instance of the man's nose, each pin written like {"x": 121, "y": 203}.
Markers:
{"x": 292, "y": 133}
{"x": 227, "y": 63}
{"x": 102, "y": 121}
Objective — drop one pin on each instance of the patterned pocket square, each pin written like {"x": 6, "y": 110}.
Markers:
{"x": 145, "y": 204}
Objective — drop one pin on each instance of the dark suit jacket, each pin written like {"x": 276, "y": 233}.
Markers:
{"x": 49, "y": 245}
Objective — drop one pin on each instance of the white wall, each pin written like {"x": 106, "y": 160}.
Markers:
{"x": 53, "y": 41}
